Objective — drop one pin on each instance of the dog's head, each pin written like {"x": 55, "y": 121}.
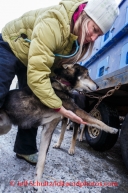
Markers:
{"x": 77, "y": 76}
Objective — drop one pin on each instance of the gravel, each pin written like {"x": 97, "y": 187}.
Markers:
{"x": 87, "y": 171}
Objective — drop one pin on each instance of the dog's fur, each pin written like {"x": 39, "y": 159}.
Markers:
{"x": 24, "y": 109}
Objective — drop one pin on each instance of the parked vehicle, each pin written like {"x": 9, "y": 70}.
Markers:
{"x": 112, "y": 110}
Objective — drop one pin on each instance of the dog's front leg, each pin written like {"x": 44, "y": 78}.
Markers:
{"x": 63, "y": 129}
{"x": 46, "y": 136}
{"x": 82, "y": 133}
{"x": 91, "y": 121}
{"x": 71, "y": 150}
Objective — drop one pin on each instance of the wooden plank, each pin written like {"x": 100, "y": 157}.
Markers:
{"x": 120, "y": 71}
{"x": 112, "y": 79}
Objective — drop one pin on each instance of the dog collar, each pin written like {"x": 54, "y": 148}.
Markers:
{"x": 63, "y": 81}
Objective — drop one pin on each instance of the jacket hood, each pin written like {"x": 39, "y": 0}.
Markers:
{"x": 71, "y": 6}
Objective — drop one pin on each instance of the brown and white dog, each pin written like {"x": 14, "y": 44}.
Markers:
{"x": 24, "y": 109}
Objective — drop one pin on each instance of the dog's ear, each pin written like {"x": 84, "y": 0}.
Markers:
{"x": 65, "y": 66}
{"x": 77, "y": 66}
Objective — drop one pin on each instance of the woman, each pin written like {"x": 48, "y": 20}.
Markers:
{"x": 33, "y": 43}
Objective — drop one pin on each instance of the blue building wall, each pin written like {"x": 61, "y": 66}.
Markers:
{"x": 112, "y": 53}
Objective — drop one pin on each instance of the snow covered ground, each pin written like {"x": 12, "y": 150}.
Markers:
{"x": 86, "y": 166}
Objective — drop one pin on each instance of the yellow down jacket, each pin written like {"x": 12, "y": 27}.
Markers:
{"x": 49, "y": 32}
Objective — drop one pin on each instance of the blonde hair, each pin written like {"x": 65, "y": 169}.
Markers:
{"x": 84, "y": 49}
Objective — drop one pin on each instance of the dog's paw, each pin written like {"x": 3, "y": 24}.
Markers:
{"x": 38, "y": 188}
{"x": 114, "y": 130}
{"x": 110, "y": 130}
{"x": 57, "y": 146}
{"x": 80, "y": 138}
{"x": 71, "y": 151}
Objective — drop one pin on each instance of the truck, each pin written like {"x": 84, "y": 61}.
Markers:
{"x": 112, "y": 110}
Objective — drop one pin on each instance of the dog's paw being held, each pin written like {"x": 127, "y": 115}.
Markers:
{"x": 114, "y": 130}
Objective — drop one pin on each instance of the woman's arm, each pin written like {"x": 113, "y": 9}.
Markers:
{"x": 40, "y": 60}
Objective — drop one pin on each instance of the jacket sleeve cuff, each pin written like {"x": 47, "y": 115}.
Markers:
{"x": 57, "y": 110}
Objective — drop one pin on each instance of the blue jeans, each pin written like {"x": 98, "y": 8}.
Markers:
{"x": 10, "y": 66}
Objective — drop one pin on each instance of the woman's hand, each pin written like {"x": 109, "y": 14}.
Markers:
{"x": 72, "y": 116}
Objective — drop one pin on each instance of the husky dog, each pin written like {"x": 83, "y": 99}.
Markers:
{"x": 24, "y": 109}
